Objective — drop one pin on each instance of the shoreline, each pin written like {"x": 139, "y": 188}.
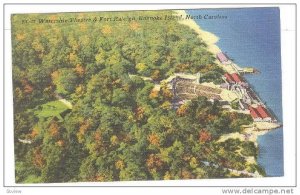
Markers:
{"x": 209, "y": 38}
{"x": 251, "y": 132}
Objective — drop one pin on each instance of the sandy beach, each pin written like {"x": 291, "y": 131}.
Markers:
{"x": 251, "y": 132}
{"x": 209, "y": 38}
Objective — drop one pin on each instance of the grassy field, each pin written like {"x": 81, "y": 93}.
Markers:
{"x": 50, "y": 109}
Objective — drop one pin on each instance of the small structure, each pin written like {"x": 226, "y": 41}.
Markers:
{"x": 25, "y": 141}
{"x": 225, "y": 85}
{"x": 236, "y": 78}
{"x": 223, "y": 58}
{"x": 255, "y": 115}
{"x": 229, "y": 78}
{"x": 264, "y": 113}
{"x": 260, "y": 113}
{"x": 243, "y": 105}
{"x": 247, "y": 98}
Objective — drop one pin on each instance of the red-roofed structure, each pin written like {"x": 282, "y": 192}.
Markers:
{"x": 229, "y": 78}
{"x": 254, "y": 113}
{"x": 236, "y": 78}
{"x": 260, "y": 113}
{"x": 263, "y": 112}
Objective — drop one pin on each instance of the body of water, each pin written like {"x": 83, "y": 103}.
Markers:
{"x": 251, "y": 37}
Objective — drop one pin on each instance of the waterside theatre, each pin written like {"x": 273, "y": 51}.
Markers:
{"x": 187, "y": 87}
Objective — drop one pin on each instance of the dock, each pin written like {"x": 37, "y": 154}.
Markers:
{"x": 246, "y": 70}
{"x": 227, "y": 61}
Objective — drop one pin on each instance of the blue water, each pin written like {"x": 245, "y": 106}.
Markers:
{"x": 251, "y": 36}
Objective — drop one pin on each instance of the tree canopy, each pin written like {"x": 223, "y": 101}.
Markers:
{"x": 120, "y": 126}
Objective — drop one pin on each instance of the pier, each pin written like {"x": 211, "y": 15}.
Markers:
{"x": 226, "y": 61}
{"x": 246, "y": 70}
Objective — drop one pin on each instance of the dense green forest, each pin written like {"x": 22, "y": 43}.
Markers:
{"x": 116, "y": 126}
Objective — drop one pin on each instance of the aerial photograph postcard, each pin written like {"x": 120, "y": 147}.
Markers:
{"x": 147, "y": 95}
